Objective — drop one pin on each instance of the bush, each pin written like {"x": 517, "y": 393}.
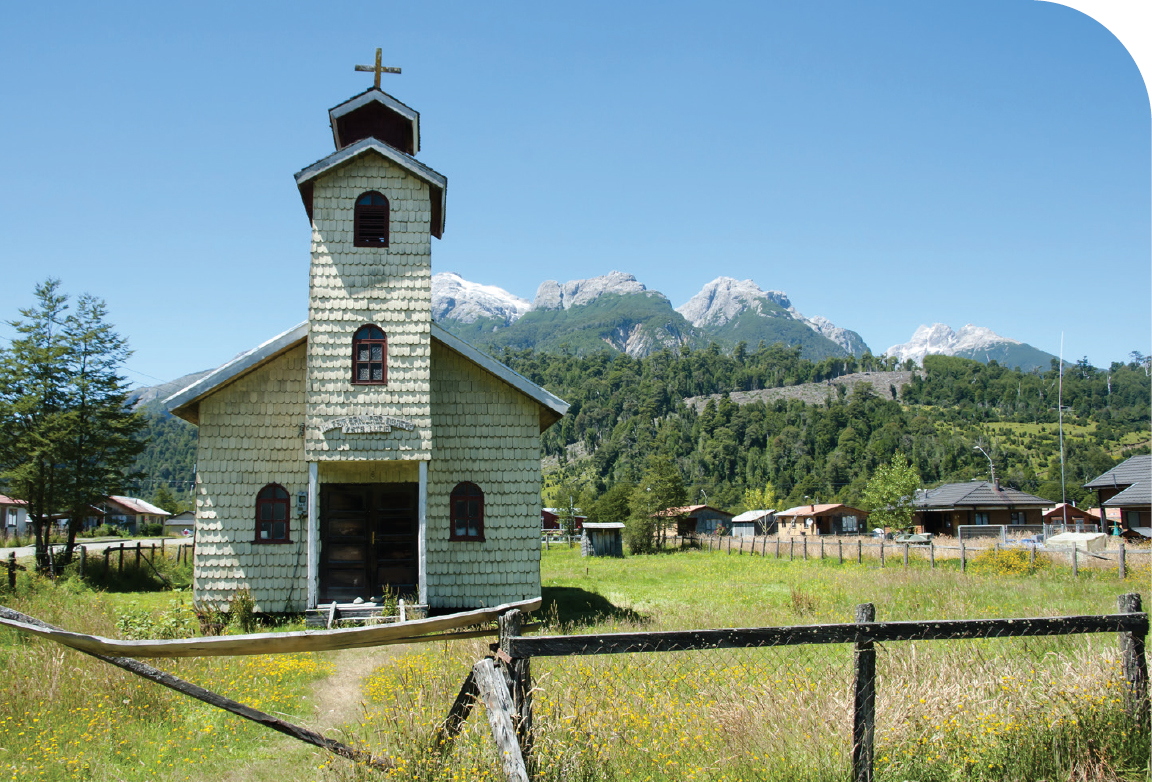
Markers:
{"x": 639, "y": 534}
{"x": 107, "y": 531}
{"x": 136, "y": 623}
{"x": 152, "y": 530}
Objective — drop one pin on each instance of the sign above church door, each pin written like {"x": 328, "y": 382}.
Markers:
{"x": 367, "y": 424}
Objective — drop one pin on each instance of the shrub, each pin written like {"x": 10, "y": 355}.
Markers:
{"x": 151, "y": 530}
{"x": 137, "y": 623}
{"x": 1004, "y": 562}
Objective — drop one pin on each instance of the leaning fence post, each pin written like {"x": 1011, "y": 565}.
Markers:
{"x": 1123, "y": 574}
{"x": 1135, "y": 665}
{"x": 494, "y": 695}
{"x": 518, "y": 673}
{"x": 864, "y": 701}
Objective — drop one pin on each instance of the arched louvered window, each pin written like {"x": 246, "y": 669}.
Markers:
{"x": 370, "y": 356}
{"x": 467, "y": 510}
{"x": 371, "y": 224}
{"x": 272, "y": 514}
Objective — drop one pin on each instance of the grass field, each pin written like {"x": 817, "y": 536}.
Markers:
{"x": 989, "y": 709}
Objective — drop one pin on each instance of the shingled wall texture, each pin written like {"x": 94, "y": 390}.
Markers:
{"x": 250, "y": 437}
{"x": 486, "y": 432}
{"x": 352, "y": 286}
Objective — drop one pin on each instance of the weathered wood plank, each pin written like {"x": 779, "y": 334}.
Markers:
{"x": 864, "y": 701}
{"x": 227, "y": 704}
{"x": 457, "y": 714}
{"x": 1134, "y": 660}
{"x": 498, "y": 702}
{"x": 519, "y": 676}
{"x": 933, "y": 630}
{"x": 415, "y": 631}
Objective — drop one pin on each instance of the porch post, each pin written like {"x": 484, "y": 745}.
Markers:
{"x": 313, "y": 534}
{"x": 422, "y": 534}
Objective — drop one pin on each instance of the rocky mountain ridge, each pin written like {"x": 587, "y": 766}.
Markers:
{"x": 974, "y": 342}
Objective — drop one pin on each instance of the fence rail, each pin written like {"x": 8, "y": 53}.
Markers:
{"x": 514, "y": 653}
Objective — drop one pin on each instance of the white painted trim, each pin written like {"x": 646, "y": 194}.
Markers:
{"x": 238, "y": 366}
{"x": 409, "y": 163}
{"x": 509, "y": 376}
{"x": 422, "y": 534}
{"x": 313, "y": 534}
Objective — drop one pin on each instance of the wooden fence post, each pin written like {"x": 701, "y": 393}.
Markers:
{"x": 777, "y": 545}
{"x": 791, "y": 549}
{"x": 859, "y": 551}
{"x": 805, "y": 548}
{"x": 1075, "y": 562}
{"x": 864, "y": 701}
{"x": 518, "y": 674}
{"x": 881, "y": 553}
{"x": 1135, "y": 665}
{"x": 905, "y": 556}
{"x": 83, "y": 557}
{"x": 962, "y": 562}
{"x": 840, "y": 548}
{"x": 120, "y": 564}
{"x": 107, "y": 551}
{"x": 821, "y": 549}
{"x": 1123, "y": 572}
{"x": 1032, "y": 556}
{"x": 494, "y": 695}
{"x": 729, "y": 545}
{"x": 137, "y": 555}
{"x": 12, "y": 569}
{"x": 931, "y": 555}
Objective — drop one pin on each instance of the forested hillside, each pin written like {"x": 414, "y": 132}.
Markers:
{"x": 625, "y": 411}
{"x": 170, "y": 457}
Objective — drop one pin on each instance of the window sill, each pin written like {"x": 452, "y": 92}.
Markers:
{"x": 260, "y": 542}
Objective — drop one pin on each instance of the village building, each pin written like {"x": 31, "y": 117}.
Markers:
{"x": 821, "y": 519}
{"x": 1066, "y": 513}
{"x": 129, "y": 513}
{"x": 700, "y": 520}
{"x": 1127, "y": 488}
{"x": 943, "y": 510}
{"x": 14, "y": 514}
{"x": 367, "y": 449}
{"x": 554, "y": 519}
{"x": 751, "y": 523}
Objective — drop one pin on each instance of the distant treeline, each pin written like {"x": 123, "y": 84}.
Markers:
{"x": 626, "y": 410}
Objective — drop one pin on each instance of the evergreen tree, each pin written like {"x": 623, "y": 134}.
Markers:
{"x": 66, "y": 434}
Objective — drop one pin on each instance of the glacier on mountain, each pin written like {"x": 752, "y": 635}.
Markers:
{"x": 455, "y": 298}
{"x": 940, "y": 340}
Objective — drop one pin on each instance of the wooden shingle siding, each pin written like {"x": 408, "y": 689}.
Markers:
{"x": 250, "y": 437}
{"x": 486, "y": 432}
{"x": 351, "y": 286}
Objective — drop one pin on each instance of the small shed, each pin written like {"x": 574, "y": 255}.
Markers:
{"x": 180, "y": 522}
{"x": 754, "y": 522}
{"x": 602, "y": 539}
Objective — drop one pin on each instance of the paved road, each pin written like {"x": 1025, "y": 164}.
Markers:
{"x": 100, "y": 544}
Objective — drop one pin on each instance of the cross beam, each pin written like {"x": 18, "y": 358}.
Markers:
{"x": 377, "y": 69}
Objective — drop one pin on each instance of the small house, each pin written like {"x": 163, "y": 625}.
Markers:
{"x": 14, "y": 514}
{"x": 129, "y": 513}
{"x": 1127, "y": 487}
{"x": 822, "y": 519}
{"x": 943, "y": 510}
{"x": 700, "y": 520}
{"x": 754, "y": 522}
{"x": 553, "y": 519}
{"x": 1067, "y": 513}
{"x": 175, "y": 525}
{"x": 602, "y": 539}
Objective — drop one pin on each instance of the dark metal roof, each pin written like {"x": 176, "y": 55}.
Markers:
{"x": 976, "y": 494}
{"x": 1139, "y": 493}
{"x": 1135, "y": 469}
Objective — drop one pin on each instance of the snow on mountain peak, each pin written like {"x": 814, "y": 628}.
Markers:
{"x": 455, "y": 298}
{"x": 940, "y": 340}
{"x": 552, "y": 295}
{"x": 724, "y": 298}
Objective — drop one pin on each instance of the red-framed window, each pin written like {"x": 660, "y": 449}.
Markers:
{"x": 467, "y": 508}
{"x": 370, "y": 227}
{"x": 370, "y": 356}
{"x": 272, "y": 514}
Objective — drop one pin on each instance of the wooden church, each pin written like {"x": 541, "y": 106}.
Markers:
{"x": 367, "y": 448}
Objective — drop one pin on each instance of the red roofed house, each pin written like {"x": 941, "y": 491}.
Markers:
{"x": 131, "y": 513}
{"x": 825, "y": 519}
{"x": 13, "y": 515}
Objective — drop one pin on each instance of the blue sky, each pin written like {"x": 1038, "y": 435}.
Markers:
{"x": 886, "y": 164}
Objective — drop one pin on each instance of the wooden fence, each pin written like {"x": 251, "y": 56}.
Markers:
{"x": 185, "y": 550}
{"x": 847, "y": 549}
{"x": 509, "y": 698}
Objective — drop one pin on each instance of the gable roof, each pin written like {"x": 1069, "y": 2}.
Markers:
{"x": 821, "y": 510}
{"x": 370, "y": 96}
{"x": 690, "y": 509}
{"x": 437, "y": 183}
{"x": 186, "y": 402}
{"x": 1135, "y": 469}
{"x": 138, "y": 506}
{"x": 753, "y": 515}
{"x": 976, "y": 494}
{"x": 1139, "y": 493}
{"x": 5, "y": 500}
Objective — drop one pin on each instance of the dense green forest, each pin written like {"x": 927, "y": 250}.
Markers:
{"x": 625, "y": 411}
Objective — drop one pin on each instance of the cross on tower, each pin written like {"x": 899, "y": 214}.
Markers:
{"x": 377, "y": 69}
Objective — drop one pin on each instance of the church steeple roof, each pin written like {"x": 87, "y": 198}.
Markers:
{"x": 376, "y": 114}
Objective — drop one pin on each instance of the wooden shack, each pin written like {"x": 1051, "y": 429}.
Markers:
{"x": 602, "y": 539}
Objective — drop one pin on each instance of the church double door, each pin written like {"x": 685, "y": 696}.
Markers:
{"x": 368, "y": 540}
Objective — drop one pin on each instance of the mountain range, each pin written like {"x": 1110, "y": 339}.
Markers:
{"x": 618, "y": 312}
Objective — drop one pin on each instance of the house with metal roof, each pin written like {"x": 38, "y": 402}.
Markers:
{"x": 751, "y": 523}
{"x": 367, "y": 450}
{"x": 13, "y": 515}
{"x": 699, "y": 520}
{"x": 942, "y": 510}
{"x": 1128, "y": 488}
{"x": 830, "y": 518}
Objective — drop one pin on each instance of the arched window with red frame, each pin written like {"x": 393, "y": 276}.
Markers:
{"x": 370, "y": 356}
{"x": 272, "y": 514}
{"x": 467, "y": 510}
{"x": 370, "y": 226}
